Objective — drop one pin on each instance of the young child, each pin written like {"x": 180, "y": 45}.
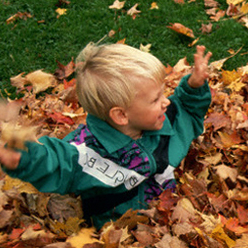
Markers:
{"x": 134, "y": 137}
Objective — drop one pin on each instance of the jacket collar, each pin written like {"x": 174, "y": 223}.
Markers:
{"x": 113, "y": 140}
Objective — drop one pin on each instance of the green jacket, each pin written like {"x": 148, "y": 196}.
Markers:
{"x": 111, "y": 171}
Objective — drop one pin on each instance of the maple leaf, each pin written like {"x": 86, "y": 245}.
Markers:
{"x": 206, "y": 28}
{"x": 40, "y": 80}
{"x": 60, "y": 118}
{"x": 218, "y": 15}
{"x": 145, "y": 48}
{"x": 18, "y": 81}
{"x": 61, "y": 11}
{"x": 117, "y": 5}
{"x": 133, "y": 11}
{"x": 179, "y": 28}
{"x": 64, "y": 71}
{"x": 218, "y": 120}
{"x": 154, "y": 5}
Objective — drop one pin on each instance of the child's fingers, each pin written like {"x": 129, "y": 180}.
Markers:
{"x": 208, "y": 56}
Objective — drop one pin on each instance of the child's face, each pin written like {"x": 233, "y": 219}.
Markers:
{"x": 147, "y": 109}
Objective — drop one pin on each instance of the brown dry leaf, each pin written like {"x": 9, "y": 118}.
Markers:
{"x": 20, "y": 15}
{"x": 117, "y": 5}
{"x": 225, "y": 172}
{"x": 182, "y": 66}
{"x": 6, "y": 215}
{"x": 144, "y": 235}
{"x": 64, "y": 71}
{"x": 18, "y": 81}
{"x": 31, "y": 234}
{"x": 41, "y": 81}
{"x": 211, "y": 3}
{"x": 169, "y": 241}
{"x": 83, "y": 237}
{"x": 228, "y": 140}
{"x": 184, "y": 228}
{"x": 212, "y": 160}
{"x": 218, "y": 15}
{"x": 113, "y": 237}
{"x": 206, "y": 28}
{"x": 184, "y": 211}
{"x": 179, "y": 28}
{"x": 20, "y": 186}
{"x": 218, "y": 120}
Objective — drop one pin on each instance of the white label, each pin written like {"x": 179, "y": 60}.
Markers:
{"x": 166, "y": 175}
{"x": 106, "y": 170}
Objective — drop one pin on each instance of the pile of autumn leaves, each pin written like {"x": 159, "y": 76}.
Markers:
{"x": 209, "y": 208}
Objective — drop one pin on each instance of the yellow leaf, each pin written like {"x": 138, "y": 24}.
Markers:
{"x": 41, "y": 80}
{"x": 234, "y": 2}
{"x": 244, "y": 8}
{"x": 145, "y": 48}
{"x": 154, "y": 5}
{"x": 60, "y": 12}
{"x": 85, "y": 236}
{"x": 219, "y": 234}
{"x": 117, "y": 5}
{"x": 20, "y": 186}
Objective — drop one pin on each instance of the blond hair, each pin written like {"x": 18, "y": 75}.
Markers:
{"x": 106, "y": 76}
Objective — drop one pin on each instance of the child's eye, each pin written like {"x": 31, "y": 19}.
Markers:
{"x": 156, "y": 99}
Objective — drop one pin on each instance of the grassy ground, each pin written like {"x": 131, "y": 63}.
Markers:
{"x": 36, "y": 43}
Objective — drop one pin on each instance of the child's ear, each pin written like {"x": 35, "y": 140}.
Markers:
{"x": 118, "y": 116}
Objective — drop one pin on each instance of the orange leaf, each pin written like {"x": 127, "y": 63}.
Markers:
{"x": 179, "y": 28}
{"x": 60, "y": 118}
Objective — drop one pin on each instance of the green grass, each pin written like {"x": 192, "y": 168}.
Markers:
{"x": 28, "y": 45}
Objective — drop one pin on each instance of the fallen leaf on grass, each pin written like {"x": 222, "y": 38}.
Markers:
{"x": 20, "y": 15}
{"x": 154, "y": 5}
{"x": 117, "y": 5}
{"x": 60, "y": 11}
{"x": 179, "y": 28}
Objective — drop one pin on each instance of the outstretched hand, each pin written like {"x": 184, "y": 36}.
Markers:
{"x": 200, "y": 72}
{"x": 9, "y": 158}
